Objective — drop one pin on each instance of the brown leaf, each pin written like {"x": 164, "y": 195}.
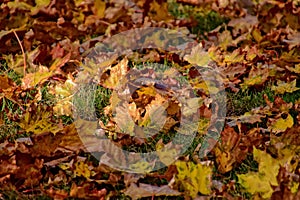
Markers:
{"x": 45, "y": 144}
{"x": 147, "y": 190}
{"x": 5, "y": 83}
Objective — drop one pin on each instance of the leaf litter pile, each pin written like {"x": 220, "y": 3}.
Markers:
{"x": 62, "y": 111}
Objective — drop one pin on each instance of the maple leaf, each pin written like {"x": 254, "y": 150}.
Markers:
{"x": 295, "y": 69}
{"x": 166, "y": 153}
{"x": 257, "y": 76}
{"x": 283, "y": 87}
{"x": 82, "y": 169}
{"x": 124, "y": 120}
{"x": 159, "y": 11}
{"x": 281, "y": 124}
{"x": 64, "y": 94}
{"x": 293, "y": 40}
{"x": 99, "y": 8}
{"x": 194, "y": 177}
{"x": 225, "y": 39}
{"x": 117, "y": 73}
{"x": 141, "y": 166}
{"x": 39, "y": 123}
{"x": 198, "y": 56}
{"x": 146, "y": 190}
{"x": 32, "y": 79}
{"x": 265, "y": 178}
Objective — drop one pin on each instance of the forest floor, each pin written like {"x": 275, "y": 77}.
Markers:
{"x": 149, "y": 99}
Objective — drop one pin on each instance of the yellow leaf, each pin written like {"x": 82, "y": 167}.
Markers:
{"x": 159, "y": 11}
{"x": 192, "y": 106}
{"x": 252, "y": 81}
{"x": 147, "y": 91}
{"x": 281, "y": 124}
{"x": 99, "y": 7}
{"x": 39, "y": 123}
{"x": 64, "y": 166}
{"x": 224, "y": 160}
{"x": 155, "y": 117}
{"x": 32, "y": 79}
{"x": 225, "y": 39}
{"x": 63, "y": 107}
{"x": 198, "y": 56}
{"x": 82, "y": 169}
{"x": 295, "y": 69}
{"x": 194, "y": 177}
{"x": 294, "y": 187}
{"x": 117, "y": 73}
{"x": 18, "y": 5}
{"x": 166, "y": 153}
{"x": 65, "y": 90}
{"x": 257, "y": 35}
{"x": 141, "y": 167}
{"x": 285, "y": 87}
{"x": 208, "y": 86}
{"x": 265, "y": 178}
{"x": 41, "y": 3}
{"x": 234, "y": 57}
{"x": 268, "y": 166}
{"x": 124, "y": 120}
{"x": 254, "y": 184}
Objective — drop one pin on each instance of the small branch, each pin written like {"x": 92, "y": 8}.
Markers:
{"x": 24, "y": 56}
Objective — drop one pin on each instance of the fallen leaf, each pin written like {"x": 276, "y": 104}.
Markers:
{"x": 281, "y": 124}
{"x": 194, "y": 177}
{"x": 265, "y": 178}
{"x": 198, "y": 56}
{"x": 147, "y": 190}
{"x": 283, "y": 87}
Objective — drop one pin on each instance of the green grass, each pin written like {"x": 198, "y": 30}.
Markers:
{"x": 206, "y": 18}
{"x": 244, "y": 101}
{"x": 90, "y": 101}
{"x": 5, "y": 70}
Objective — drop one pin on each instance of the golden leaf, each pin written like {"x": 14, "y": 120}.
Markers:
{"x": 281, "y": 124}
{"x": 99, "y": 7}
{"x": 194, "y": 177}
{"x": 82, "y": 169}
{"x": 39, "y": 123}
{"x": 124, "y": 120}
{"x": 117, "y": 73}
{"x": 166, "y": 153}
{"x": 283, "y": 87}
{"x": 159, "y": 11}
{"x": 265, "y": 178}
{"x": 198, "y": 56}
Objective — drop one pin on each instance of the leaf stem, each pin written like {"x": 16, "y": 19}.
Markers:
{"x": 22, "y": 49}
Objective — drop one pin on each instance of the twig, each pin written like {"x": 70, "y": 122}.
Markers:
{"x": 24, "y": 58}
